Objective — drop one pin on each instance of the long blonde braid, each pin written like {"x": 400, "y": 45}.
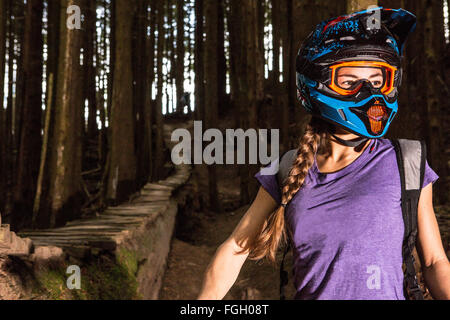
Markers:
{"x": 273, "y": 232}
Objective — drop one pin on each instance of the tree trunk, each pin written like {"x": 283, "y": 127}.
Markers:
{"x": 198, "y": 63}
{"x": 122, "y": 166}
{"x": 159, "y": 143}
{"x": 222, "y": 106}
{"x": 3, "y": 185}
{"x": 149, "y": 88}
{"x": 211, "y": 90}
{"x": 65, "y": 160}
{"x": 261, "y": 18}
{"x": 89, "y": 90}
{"x": 41, "y": 215}
{"x": 171, "y": 62}
{"x": 30, "y": 133}
{"x": 9, "y": 158}
{"x": 247, "y": 79}
{"x": 112, "y": 58}
{"x": 436, "y": 105}
{"x": 140, "y": 76}
{"x": 285, "y": 26}
{"x": 103, "y": 103}
{"x": 19, "y": 93}
{"x": 179, "y": 69}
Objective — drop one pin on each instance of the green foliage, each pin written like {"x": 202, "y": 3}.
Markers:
{"x": 104, "y": 277}
{"x": 52, "y": 284}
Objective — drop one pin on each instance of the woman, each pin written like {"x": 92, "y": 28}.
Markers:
{"x": 340, "y": 204}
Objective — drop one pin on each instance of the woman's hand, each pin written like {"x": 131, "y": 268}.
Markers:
{"x": 435, "y": 264}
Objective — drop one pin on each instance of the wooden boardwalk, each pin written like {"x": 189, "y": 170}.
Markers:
{"x": 108, "y": 230}
{"x": 137, "y": 233}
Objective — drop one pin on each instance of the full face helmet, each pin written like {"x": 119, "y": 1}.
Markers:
{"x": 349, "y": 69}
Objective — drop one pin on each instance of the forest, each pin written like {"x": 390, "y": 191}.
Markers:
{"x": 90, "y": 88}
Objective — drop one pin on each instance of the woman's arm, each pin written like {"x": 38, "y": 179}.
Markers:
{"x": 226, "y": 264}
{"x": 435, "y": 265}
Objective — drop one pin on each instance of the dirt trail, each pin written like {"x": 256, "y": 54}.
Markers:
{"x": 188, "y": 261}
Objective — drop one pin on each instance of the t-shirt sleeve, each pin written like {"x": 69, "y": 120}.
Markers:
{"x": 267, "y": 177}
{"x": 429, "y": 176}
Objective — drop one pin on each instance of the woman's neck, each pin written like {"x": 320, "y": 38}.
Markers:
{"x": 339, "y": 156}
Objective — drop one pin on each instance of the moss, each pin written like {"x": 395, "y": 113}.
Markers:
{"x": 51, "y": 283}
{"x": 111, "y": 278}
{"x": 128, "y": 260}
{"x": 104, "y": 277}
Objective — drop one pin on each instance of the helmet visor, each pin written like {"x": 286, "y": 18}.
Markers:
{"x": 347, "y": 77}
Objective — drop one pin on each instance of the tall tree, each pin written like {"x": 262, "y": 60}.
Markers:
{"x": 247, "y": 78}
{"x": 8, "y": 128}
{"x": 104, "y": 64}
{"x": 42, "y": 207}
{"x": 211, "y": 89}
{"x": 179, "y": 69}
{"x": 149, "y": 116}
{"x": 222, "y": 107}
{"x": 2, "y": 112}
{"x": 433, "y": 77}
{"x": 89, "y": 86}
{"x": 122, "y": 166}
{"x": 198, "y": 63}
{"x": 30, "y": 129}
{"x": 65, "y": 157}
{"x": 19, "y": 93}
{"x": 112, "y": 47}
{"x": 159, "y": 144}
{"x": 285, "y": 27}
{"x": 170, "y": 63}
{"x": 139, "y": 81}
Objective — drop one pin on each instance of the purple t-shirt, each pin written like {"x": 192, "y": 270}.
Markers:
{"x": 347, "y": 228}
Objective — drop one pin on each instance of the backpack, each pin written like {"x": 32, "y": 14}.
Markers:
{"x": 411, "y": 157}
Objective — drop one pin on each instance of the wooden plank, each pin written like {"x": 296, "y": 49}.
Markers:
{"x": 156, "y": 186}
{"x": 107, "y": 245}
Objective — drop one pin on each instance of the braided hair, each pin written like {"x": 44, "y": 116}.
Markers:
{"x": 273, "y": 231}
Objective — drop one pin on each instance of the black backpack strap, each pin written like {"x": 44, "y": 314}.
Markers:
{"x": 285, "y": 165}
{"x": 283, "y": 171}
{"x": 411, "y": 157}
